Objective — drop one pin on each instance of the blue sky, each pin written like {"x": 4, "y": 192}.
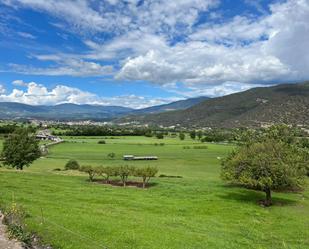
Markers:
{"x": 139, "y": 53}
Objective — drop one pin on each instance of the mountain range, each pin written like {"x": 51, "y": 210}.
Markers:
{"x": 12, "y": 110}
{"x": 284, "y": 103}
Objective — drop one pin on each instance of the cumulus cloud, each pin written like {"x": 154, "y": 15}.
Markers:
{"x": 249, "y": 50}
{"x": 38, "y": 94}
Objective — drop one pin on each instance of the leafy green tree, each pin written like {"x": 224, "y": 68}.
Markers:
{"x": 20, "y": 149}
{"x": 182, "y": 136}
{"x": 124, "y": 172}
{"x": 107, "y": 172}
{"x": 91, "y": 171}
{"x": 146, "y": 173}
{"x": 265, "y": 165}
{"x": 199, "y": 135}
{"x": 193, "y": 134}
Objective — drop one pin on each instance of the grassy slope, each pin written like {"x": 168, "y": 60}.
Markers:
{"x": 198, "y": 211}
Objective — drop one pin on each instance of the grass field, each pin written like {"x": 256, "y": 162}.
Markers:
{"x": 196, "y": 211}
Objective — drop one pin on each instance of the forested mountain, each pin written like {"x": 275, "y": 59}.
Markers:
{"x": 286, "y": 103}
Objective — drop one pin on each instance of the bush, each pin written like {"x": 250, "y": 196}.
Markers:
{"x": 200, "y": 147}
{"x": 111, "y": 155}
{"x": 72, "y": 165}
{"x": 159, "y": 135}
{"x": 102, "y": 142}
{"x": 14, "y": 219}
{"x": 182, "y": 136}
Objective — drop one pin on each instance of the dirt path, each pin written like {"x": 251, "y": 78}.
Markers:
{"x": 5, "y": 243}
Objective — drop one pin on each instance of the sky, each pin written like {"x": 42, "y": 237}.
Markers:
{"x": 139, "y": 53}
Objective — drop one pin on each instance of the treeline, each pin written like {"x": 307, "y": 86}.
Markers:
{"x": 94, "y": 130}
{"x": 121, "y": 172}
{"x": 10, "y": 128}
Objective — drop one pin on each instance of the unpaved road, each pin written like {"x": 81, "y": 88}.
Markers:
{"x": 5, "y": 243}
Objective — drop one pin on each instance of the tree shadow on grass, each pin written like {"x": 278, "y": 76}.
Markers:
{"x": 253, "y": 196}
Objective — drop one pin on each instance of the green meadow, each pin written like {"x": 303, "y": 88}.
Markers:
{"x": 193, "y": 212}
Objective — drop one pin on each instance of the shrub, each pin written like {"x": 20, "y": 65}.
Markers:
{"x": 182, "y": 136}
{"x": 159, "y": 135}
{"x": 102, "y": 142}
{"x": 72, "y": 165}
{"x": 111, "y": 155}
{"x": 200, "y": 147}
{"x": 14, "y": 219}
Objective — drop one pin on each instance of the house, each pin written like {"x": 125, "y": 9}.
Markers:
{"x": 46, "y": 135}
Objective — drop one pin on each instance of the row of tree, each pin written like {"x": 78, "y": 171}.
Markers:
{"x": 123, "y": 172}
{"x": 96, "y": 130}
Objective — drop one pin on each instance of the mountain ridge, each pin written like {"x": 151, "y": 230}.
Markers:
{"x": 70, "y": 111}
{"x": 284, "y": 103}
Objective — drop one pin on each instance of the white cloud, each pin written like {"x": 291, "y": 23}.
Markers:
{"x": 38, "y": 94}
{"x": 272, "y": 48}
{"x": 19, "y": 83}
{"x": 226, "y": 55}
{"x": 214, "y": 90}
{"x": 2, "y": 89}
{"x": 65, "y": 66}
{"x": 26, "y": 35}
{"x": 154, "y": 15}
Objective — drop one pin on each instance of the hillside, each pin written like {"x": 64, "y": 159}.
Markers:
{"x": 286, "y": 103}
{"x": 174, "y": 106}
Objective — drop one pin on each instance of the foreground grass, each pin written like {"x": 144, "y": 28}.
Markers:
{"x": 196, "y": 211}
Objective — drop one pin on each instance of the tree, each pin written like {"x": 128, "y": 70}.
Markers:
{"x": 146, "y": 173}
{"x": 90, "y": 171}
{"x": 265, "y": 165}
{"x": 182, "y": 136}
{"x": 107, "y": 172}
{"x": 20, "y": 149}
{"x": 193, "y": 134}
{"x": 124, "y": 172}
{"x": 199, "y": 135}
